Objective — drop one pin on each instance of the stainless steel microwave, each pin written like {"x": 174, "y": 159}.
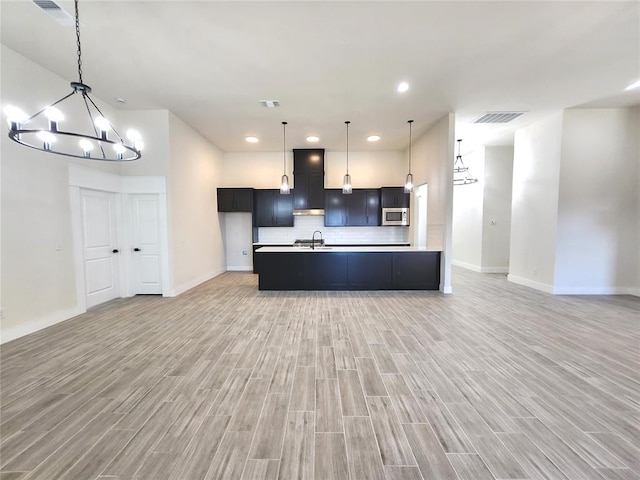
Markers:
{"x": 395, "y": 216}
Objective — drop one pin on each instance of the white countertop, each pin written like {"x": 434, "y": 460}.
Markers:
{"x": 342, "y": 249}
{"x": 267, "y": 244}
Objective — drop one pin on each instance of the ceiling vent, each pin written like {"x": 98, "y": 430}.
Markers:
{"x": 498, "y": 117}
{"x": 54, "y": 10}
{"x": 270, "y": 103}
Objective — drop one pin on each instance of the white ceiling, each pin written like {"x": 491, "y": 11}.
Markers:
{"x": 211, "y": 63}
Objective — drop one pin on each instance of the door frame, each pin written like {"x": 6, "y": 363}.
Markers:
{"x": 82, "y": 178}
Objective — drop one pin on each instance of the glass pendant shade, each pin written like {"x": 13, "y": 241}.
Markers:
{"x": 285, "y": 189}
{"x": 346, "y": 184}
{"x": 408, "y": 185}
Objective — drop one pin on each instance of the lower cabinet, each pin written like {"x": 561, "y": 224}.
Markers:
{"x": 348, "y": 270}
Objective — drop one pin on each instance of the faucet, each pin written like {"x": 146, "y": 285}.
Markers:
{"x": 313, "y": 239}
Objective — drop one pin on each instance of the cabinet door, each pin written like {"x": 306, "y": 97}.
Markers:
{"x": 283, "y": 209}
{"x": 394, "y": 197}
{"x": 334, "y": 208}
{"x": 315, "y": 198}
{"x": 325, "y": 271}
{"x": 264, "y": 208}
{"x": 357, "y": 208}
{"x": 416, "y": 271}
{"x": 370, "y": 271}
{"x": 301, "y": 192}
{"x": 225, "y": 200}
{"x": 374, "y": 213}
{"x": 243, "y": 199}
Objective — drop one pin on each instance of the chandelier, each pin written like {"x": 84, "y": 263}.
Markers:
{"x": 461, "y": 175}
{"x": 48, "y": 137}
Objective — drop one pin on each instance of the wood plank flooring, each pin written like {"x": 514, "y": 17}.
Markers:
{"x": 496, "y": 381}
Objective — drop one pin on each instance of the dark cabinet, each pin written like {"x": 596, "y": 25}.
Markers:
{"x": 416, "y": 272}
{"x": 335, "y": 203}
{"x": 308, "y": 174}
{"x": 394, "y": 197}
{"x": 272, "y": 209}
{"x": 331, "y": 270}
{"x": 360, "y": 208}
{"x": 235, "y": 199}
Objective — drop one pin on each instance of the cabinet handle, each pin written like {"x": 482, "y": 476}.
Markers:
{"x": 115, "y": 250}
{"x": 136, "y": 249}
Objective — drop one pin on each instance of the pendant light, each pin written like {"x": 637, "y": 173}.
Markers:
{"x": 346, "y": 183}
{"x": 461, "y": 175}
{"x": 408, "y": 185}
{"x": 47, "y": 137}
{"x": 284, "y": 183}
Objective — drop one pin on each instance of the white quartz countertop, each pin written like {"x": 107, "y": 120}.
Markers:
{"x": 342, "y": 249}
{"x": 271, "y": 244}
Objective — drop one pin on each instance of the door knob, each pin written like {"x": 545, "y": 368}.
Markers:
{"x": 115, "y": 250}
{"x": 136, "y": 249}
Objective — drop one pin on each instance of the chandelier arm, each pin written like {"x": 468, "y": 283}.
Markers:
{"x": 95, "y": 129}
{"x": 96, "y": 107}
{"x": 41, "y": 111}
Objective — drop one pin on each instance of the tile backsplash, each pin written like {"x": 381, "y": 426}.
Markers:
{"x": 304, "y": 226}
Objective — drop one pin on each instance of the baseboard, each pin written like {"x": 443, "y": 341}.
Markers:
{"x": 32, "y": 326}
{"x": 595, "y": 291}
{"x": 446, "y": 289}
{"x": 530, "y": 283}
{"x": 468, "y": 266}
{"x": 196, "y": 281}
{"x": 241, "y": 268}
{"x": 495, "y": 269}
{"x": 635, "y": 292}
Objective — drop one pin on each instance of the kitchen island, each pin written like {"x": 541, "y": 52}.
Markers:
{"x": 347, "y": 268}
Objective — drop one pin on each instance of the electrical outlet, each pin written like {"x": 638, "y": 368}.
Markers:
{"x": 244, "y": 253}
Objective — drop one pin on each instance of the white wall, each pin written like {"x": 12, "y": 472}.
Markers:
{"x": 264, "y": 169}
{"x": 534, "y": 209}
{"x": 195, "y": 171}
{"x": 468, "y": 202}
{"x": 432, "y": 164}
{"x": 597, "y": 240}
{"x": 237, "y": 236}
{"x": 496, "y": 213}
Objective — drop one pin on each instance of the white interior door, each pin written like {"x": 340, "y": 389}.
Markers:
{"x": 147, "y": 267}
{"x": 100, "y": 246}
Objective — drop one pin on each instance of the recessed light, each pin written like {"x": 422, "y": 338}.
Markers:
{"x": 634, "y": 85}
{"x": 373, "y": 138}
{"x": 313, "y": 139}
{"x": 402, "y": 87}
{"x": 251, "y": 139}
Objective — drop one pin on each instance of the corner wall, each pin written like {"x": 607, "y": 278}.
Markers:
{"x": 597, "y": 245}
{"x": 534, "y": 208}
{"x": 195, "y": 171}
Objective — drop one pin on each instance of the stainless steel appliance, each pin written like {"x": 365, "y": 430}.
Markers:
{"x": 395, "y": 216}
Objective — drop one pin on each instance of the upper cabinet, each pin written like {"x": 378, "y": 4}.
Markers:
{"x": 358, "y": 209}
{"x": 272, "y": 209}
{"x": 394, "y": 197}
{"x": 235, "y": 200}
{"x": 308, "y": 174}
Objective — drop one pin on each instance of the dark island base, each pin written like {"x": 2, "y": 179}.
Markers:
{"x": 348, "y": 270}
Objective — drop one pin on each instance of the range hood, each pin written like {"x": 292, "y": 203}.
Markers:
{"x": 309, "y": 212}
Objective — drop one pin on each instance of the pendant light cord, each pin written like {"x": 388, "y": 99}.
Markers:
{"x": 284, "y": 144}
{"x": 78, "y": 43}
{"x": 410, "y": 122}
{"x": 347, "y": 122}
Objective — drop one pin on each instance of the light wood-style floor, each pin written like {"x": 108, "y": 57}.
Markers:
{"x": 225, "y": 382}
